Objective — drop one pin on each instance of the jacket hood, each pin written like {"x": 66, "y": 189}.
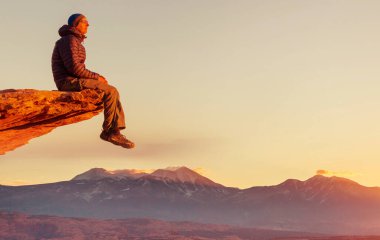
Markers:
{"x": 69, "y": 30}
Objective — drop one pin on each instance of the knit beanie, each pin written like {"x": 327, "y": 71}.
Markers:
{"x": 74, "y": 19}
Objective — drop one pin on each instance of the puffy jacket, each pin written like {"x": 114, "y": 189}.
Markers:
{"x": 69, "y": 56}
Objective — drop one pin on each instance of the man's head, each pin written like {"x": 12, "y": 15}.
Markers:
{"x": 79, "y": 21}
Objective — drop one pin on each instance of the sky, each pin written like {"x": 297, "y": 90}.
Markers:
{"x": 248, "y": 92}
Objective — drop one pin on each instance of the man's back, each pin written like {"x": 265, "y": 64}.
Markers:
{"x": 69, "y": 56}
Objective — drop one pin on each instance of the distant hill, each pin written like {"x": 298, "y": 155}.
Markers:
{"x": 18, "y": 226}
{"x": 320, "y": 204}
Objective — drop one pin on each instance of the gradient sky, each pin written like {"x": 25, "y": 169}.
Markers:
{"x": 251, "y": 92}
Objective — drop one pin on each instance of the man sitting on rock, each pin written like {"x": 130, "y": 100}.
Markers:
{"x": 70, "y": 74}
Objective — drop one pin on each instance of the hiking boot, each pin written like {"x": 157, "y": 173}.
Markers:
{"x": 117, "y": 139}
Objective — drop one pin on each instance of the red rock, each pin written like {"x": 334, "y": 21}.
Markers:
{"x": 28, "y": 113}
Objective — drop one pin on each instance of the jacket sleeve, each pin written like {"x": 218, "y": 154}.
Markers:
{"x": 69, "y": 53}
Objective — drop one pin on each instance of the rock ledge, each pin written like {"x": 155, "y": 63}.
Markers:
{"x": 29, "y": 113}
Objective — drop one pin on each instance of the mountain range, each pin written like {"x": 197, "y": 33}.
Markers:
{"x": 331, "y": 205}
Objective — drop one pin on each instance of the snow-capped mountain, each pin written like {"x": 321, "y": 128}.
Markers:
{"x": 183, "y": 175}
{"x": 319, "y": 204}
{"x": 173, "y": 174}
{"x": 100, "y": 173}
{"x": 321, "y": 189}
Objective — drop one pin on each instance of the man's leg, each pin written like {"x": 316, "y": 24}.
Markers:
{"x": 120, "y": 114}
{"x": 69, "y": 85}
{"x": 114, "y": 120}
{"x": 113, "y": 111}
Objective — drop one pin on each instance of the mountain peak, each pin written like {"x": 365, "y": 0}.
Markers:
{"x": 100, "y": 173}
{"x": 317, "y": 177}
{"x": 176, "y": 168}
{"x": 319, "y": 182}
{"x": 182, "y": 175}
{"x": 174, "y": 174}
{"x": 333, "y": 179}
{"x": 93, "y": 174}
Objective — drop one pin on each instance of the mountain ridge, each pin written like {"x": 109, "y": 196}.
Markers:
{"x": 318, "y": 204}
{"x": 178, "y": 174}
{"x": 160, "y": 173}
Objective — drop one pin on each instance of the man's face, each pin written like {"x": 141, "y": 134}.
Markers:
{"x": 82, "y": 26}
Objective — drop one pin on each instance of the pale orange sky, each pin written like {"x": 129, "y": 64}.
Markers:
{"x": 253, "y": 92}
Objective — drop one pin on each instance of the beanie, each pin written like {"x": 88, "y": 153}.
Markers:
{"x": 74, "y": 19}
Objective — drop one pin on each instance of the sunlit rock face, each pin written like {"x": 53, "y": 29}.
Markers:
{"x": 27, "y": 113}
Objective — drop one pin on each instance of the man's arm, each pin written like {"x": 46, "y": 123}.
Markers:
{"x": 69, "y": 54}
{"x": 102, "y": 79}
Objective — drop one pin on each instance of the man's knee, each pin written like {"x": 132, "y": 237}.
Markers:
{"x": 112, "y": 90}
{"x": 95, "y": 84}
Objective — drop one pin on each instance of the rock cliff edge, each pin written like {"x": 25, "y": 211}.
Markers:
{"x": 28, "y": 113}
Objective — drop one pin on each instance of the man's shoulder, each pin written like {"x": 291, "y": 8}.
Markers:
{"x": 68, "y": 39}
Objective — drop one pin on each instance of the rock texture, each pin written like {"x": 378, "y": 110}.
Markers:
{"x": 28, "y": 113}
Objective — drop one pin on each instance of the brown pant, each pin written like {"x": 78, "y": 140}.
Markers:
{"x": 113, "y": 111}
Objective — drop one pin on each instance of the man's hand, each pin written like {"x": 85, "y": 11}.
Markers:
{"x": 102, "y": 79}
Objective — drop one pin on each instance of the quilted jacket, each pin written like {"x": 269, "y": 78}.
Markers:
{"x": 69, "y": 56}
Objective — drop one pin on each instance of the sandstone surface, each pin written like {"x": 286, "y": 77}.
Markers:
{"x": 27, "y": 113}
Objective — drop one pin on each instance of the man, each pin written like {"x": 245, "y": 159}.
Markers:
{"x": 70, "y": 74}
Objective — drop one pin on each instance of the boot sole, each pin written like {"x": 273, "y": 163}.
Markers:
{"x": 132, "y": 145}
